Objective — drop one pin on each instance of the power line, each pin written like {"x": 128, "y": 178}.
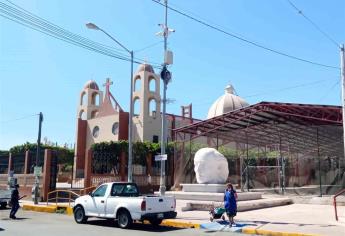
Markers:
{"x": 277, "y": 90}
{"x": 96, "y": 43}
{"x": 21, "y": 118}
{"x": 299, "y": 11}
{"x": 288, "y": 88}
{"x": 36, "y": 23}
{"x": 328, "y": 91}
{"x": 246, "y": 40}
{"x": 149, "y": 46}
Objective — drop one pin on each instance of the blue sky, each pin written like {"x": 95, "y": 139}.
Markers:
{"x": 40, "y": 73}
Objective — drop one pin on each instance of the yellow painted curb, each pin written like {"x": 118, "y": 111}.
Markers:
{"x": 40, "y": 208}
{"x": 69, "y": 211}
{"x": 246, "y": 230}
{"x": 48, "y": 209}
{"x": 179, "y": 224}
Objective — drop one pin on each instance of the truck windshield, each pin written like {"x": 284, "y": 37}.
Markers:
{"x": 128, "y": 190}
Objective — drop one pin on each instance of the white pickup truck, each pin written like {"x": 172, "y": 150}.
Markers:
{"x": 121, "y": 201}
{"x": 5, "y": 197}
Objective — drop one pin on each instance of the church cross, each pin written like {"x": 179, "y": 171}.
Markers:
{"x": 107, "y": 85}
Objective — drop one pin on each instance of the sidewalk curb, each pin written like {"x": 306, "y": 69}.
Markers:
{"x": 180, "y": 224}
{"x": 69, "y": 211}
{"x": 249, "y": 230}
{"x": 48, "y": 209}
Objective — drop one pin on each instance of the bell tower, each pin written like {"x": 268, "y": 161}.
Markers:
{"x": 90, "y": 101}
{"x": 147, "y": 119}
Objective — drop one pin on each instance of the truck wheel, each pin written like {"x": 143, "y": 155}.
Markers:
{"x": 79, "y": 215}
{"x": 156, "y": 222}
{"x": 3, "y": 205}
{"x": 124, "y": 219}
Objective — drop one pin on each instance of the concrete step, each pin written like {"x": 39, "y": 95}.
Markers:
{"x": 241, "y": 206}
{"x": 217, "y": 197}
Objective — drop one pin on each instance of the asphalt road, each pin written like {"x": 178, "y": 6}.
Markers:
{"x": 41, "y": 224}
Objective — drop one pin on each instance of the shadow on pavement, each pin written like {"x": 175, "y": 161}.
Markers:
{"x": 291, "y": 223}
{"x": 21, "y": 218}
{"x": 135, "y": 226}
{"x": 17, "y": 219}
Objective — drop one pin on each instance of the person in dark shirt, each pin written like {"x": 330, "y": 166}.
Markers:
{"x": 14, "y": 202}
{"x": 230, "y": 203}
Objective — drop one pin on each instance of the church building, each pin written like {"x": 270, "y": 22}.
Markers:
{"x": 100, "y": 117}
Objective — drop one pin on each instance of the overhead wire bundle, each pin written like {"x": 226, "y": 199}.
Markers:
{"x": 23, "y": 17}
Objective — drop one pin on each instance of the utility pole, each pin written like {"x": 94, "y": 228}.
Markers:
{"x": 38, "y": 151}
{"x": 166, "y": 77}
{"x": 342, "y": 64}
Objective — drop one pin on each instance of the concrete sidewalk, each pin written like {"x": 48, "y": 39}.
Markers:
{"x": 294, "y": 219}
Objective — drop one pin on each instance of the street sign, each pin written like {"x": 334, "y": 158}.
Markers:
{"x": 38, "y": 171}
{"x": 163, "y": 157}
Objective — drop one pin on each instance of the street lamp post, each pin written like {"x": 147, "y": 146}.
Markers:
{"x": 130, "y": 120}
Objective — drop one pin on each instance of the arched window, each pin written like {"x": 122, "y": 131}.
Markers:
{"x": 152, "y": 107}
{"x": 152, "y": 84}
{"x": 115, "y": 128}
{"x": 95, "y": 99}
{"x": 137, "y": 83}
{"x": 95, "y": 132}
{"x": 83, "y": 99}
{"x": 82, "y": 115}
{"x": 94, "y": 114}
{"x": 136, "y": 106}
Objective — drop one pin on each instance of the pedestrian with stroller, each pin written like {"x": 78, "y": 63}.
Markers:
{"x": 230, "y": 203}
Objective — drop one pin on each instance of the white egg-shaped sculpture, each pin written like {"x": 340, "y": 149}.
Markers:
{"x": 210, "y": 166}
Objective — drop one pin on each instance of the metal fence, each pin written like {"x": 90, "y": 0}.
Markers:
{"x": 4, "y": 164}
{"x": 267, "y": 169}
{"x": 105, "y": 163}
{"x": 32, "y": 160}
{"x": 18, "y": 163}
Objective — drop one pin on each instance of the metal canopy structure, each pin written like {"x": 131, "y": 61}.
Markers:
{"x": 297, "y": 128}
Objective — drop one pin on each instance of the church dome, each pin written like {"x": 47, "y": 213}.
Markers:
{"x": 226, "y": 103}
{"x": 91, "y": 84}
{"x": 146, "y": 67}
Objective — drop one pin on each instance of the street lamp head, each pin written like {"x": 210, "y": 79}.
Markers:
{"x": 92, "y": 26}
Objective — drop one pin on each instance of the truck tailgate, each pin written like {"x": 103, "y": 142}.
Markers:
{"x": 155, "y": 204}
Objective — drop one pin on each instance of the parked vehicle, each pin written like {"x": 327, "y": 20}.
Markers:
{"x": 122, "y": 202}
{"x": 5, "y": 198}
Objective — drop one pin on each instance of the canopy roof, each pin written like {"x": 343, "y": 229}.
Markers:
{"x": 296, "y": 127}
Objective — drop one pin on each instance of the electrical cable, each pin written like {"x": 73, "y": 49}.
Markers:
{"x": 149, "y": 46}
{"x": 246, "y": 40}
{"x": 330, "y": 90}
{"x": 314, "y": 24}
{"x": 277, "y": 90}
{"x": 21, "y": 118}
{"x": 39, "y": 24}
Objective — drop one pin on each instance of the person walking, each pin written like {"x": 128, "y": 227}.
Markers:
{"x": 14, "y": 202}
{"x": 230, "y": 203}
